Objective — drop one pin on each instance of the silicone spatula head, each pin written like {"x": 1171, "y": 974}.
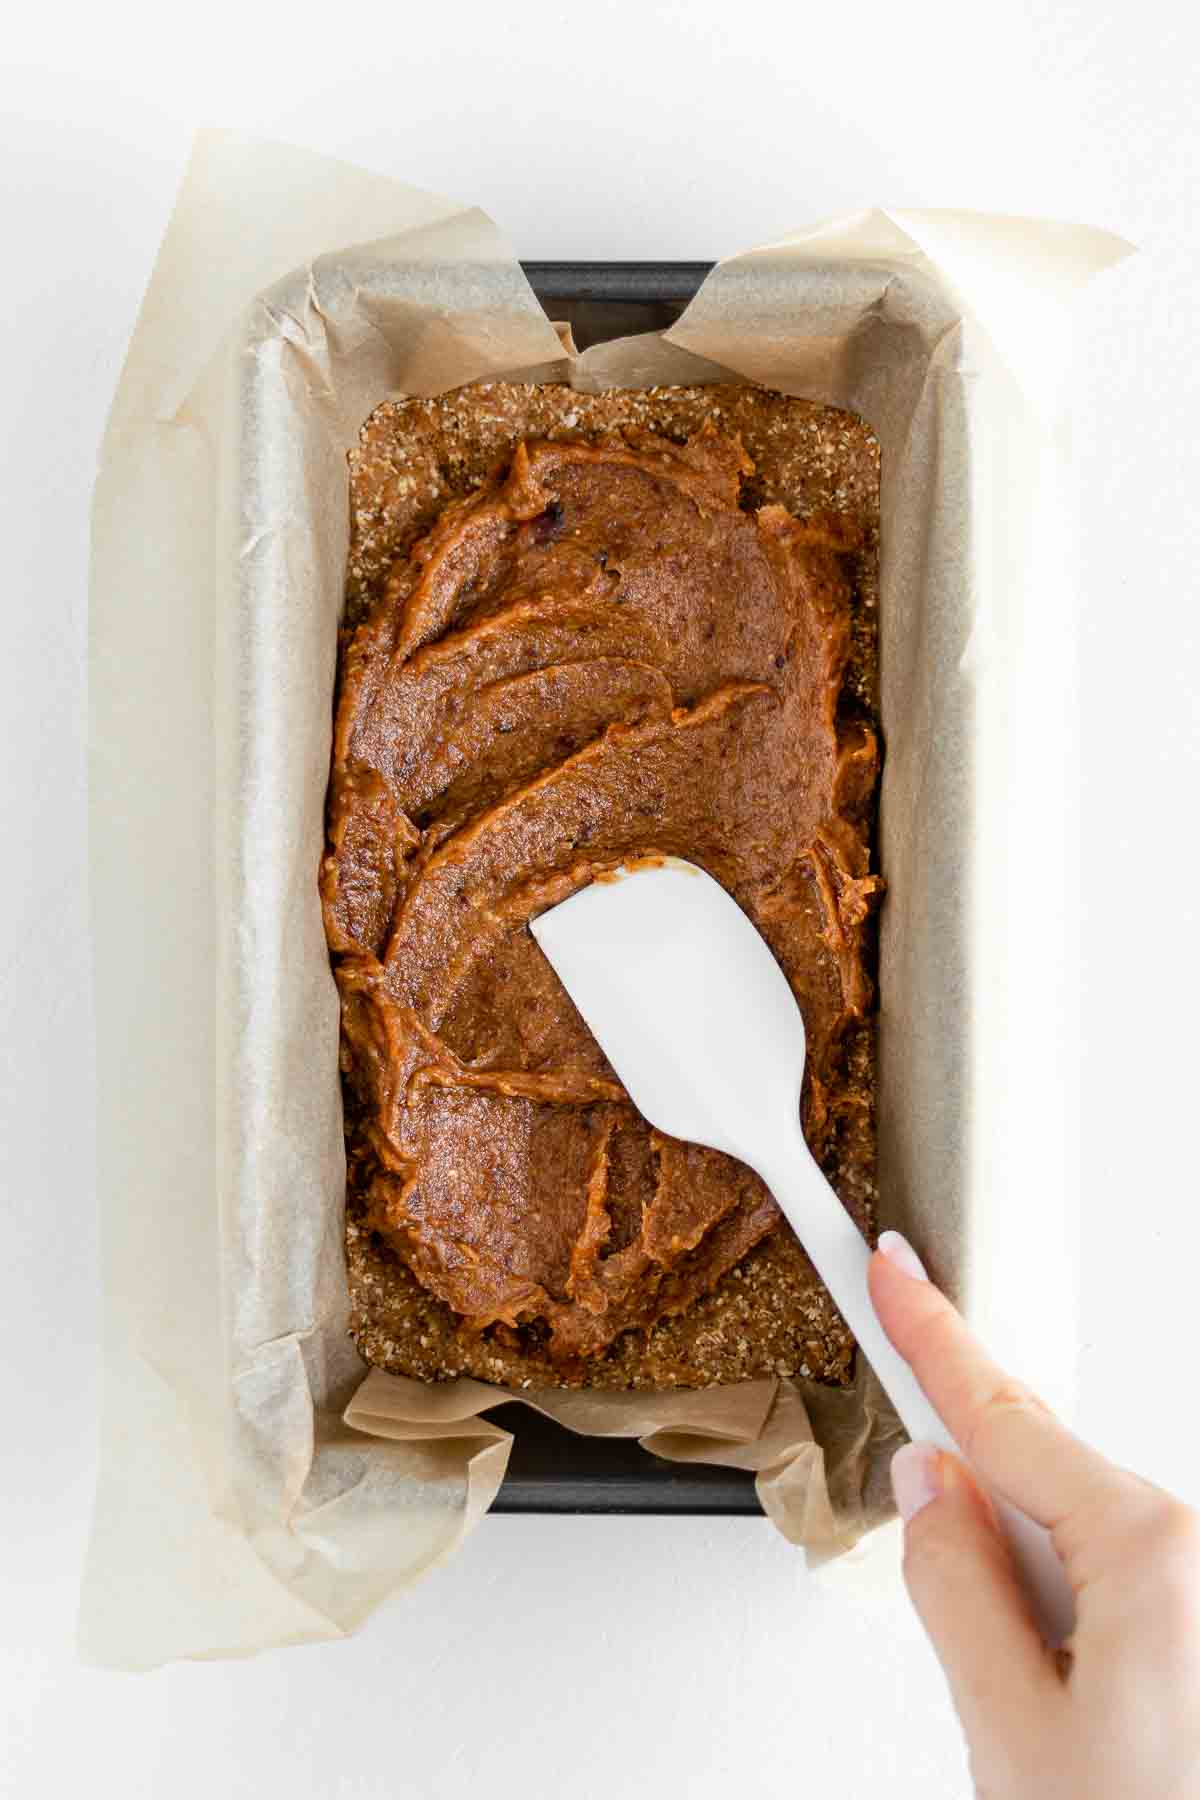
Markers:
{"x": 691, "y": 1008}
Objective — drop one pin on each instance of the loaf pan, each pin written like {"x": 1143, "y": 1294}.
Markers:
{"x": 551, "y": 1470}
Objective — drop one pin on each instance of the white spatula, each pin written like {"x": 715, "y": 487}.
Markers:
{"x": 701, "y": 1026}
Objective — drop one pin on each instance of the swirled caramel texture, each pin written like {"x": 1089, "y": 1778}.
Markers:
{"x": 599, "y": 654}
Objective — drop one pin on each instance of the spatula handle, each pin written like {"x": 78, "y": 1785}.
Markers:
{"x": 841, "y": 1257}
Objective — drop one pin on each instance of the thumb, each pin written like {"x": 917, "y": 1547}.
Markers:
{"x": 962, "y": 1582}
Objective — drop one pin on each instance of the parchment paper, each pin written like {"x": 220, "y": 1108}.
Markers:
{"x": 255, "y": 1489}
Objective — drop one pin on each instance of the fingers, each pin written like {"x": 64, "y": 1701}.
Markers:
{"x": 963, "y": 1584}
{"x": 1008, "y": 1436}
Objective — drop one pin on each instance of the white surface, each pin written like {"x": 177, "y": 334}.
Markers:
{"x": 626, "y": 1658}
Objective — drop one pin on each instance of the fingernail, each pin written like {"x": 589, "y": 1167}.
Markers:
{"x": 898, "y": 1250}
{"x": 916, "y": 1478}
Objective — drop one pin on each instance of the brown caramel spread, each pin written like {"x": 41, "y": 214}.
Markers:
{"x": 601, "y": 652}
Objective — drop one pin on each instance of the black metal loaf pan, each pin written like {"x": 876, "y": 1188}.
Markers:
{"x": 551, "y": 1470}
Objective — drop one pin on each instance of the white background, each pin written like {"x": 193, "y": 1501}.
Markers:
{"x": 599, "y": 1657}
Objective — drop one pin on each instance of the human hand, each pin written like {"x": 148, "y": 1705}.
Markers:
{"x": 1116, "y": 1712}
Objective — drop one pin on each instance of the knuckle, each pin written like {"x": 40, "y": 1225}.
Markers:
{"x": 1008, "y": 1400}
{"x": 1168, "y": 1571}
{"x": 1172, "y": 1538}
